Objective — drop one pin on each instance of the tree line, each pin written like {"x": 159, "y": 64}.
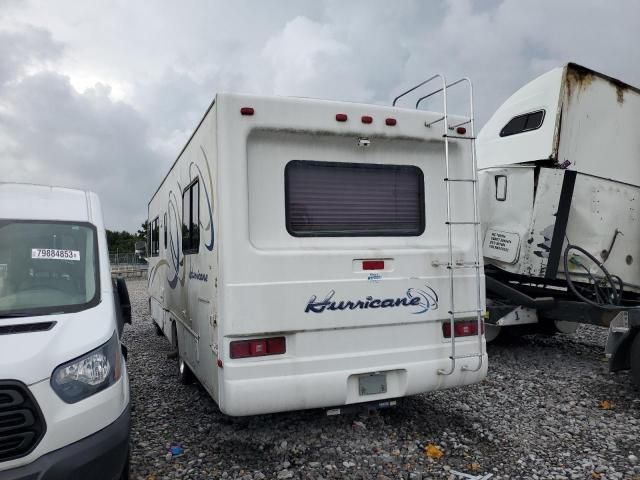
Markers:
{"x": 125, "y": 242}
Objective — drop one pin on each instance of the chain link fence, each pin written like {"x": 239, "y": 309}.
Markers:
{"x": 128, "y": 264}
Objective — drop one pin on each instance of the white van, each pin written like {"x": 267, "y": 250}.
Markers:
{"x": 64, "y": 392}
{"x": 304, "y": 254}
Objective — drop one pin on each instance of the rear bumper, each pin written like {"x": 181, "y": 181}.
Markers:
{"x": 101, "y": 456}
{"x": 269, "y": 394}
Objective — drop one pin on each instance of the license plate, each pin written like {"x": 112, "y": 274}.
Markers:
{"x": 372, "y": 384}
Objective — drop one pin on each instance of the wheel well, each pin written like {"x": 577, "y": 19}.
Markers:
{"x": 174, "y": 334}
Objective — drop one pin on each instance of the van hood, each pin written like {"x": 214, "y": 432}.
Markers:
{"x": 31, "y": 356}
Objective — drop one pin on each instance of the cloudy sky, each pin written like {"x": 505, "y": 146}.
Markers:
{"x": 102, "y": 94}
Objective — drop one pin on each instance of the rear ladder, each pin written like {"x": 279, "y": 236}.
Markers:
{"x": 449, "y": 133}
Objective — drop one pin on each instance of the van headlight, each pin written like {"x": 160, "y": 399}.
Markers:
{"x": 92, "y": 372}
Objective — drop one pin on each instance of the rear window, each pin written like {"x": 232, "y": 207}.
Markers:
{"x": 523, "y": 123}
{"x": 335, "y": 199}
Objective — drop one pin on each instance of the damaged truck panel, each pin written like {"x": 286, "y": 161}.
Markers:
{"x": 565, "y": 242}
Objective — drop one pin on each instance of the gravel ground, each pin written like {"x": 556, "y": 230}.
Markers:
{"x": 539, "y": 415}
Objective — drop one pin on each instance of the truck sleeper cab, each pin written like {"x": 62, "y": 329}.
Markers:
{"x": 298, "y": 256}
{"x": 64, "y": 392}
{"x": 560, "y": 192}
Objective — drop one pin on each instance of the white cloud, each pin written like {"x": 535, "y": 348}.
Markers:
{"x": 103, "y": 94}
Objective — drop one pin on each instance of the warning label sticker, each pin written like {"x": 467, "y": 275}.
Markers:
{"x": 502, "y": 246}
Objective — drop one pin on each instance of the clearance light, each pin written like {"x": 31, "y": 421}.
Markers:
{"x": 461, "y": 130}
{"x": 461, "y": 329}
{"x": 258, "y": 347}
{"x": 246, "y": 111}
{"x": 366, "y": 119}
{"x": 373, "y": 265}
{"x": 390, "y": 121}
{"x": 341, "y": 117}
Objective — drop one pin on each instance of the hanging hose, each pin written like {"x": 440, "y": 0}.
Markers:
{"x": 609, "y": 295}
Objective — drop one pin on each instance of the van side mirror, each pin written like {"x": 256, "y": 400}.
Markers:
{"x": 123, "y": 303}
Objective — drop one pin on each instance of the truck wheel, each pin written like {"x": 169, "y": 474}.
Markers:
{"x": 491, "y": 332}
{"x": 634, "y": 360}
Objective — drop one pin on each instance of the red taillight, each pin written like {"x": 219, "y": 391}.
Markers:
{"x": 258, "y": 347}
{"x": 461, "y": 329}
{"x": 373, "y": 264}
{"x": 240, "y": 349}
{"x": 390, "y": 121}
{"x": 367, "y": 119}
{"x": 246, "y": 111}
{"x": 276, "y": 346}
{"x": 341, "y": 117}
{"x": 461, "y": 130}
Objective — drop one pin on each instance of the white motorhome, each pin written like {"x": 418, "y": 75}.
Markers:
{"x": 560, "y": 196}
{"x": 64, "y": 392}
{"x": 299, "y": 252}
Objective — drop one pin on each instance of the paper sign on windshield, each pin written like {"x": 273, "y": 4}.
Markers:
{"x": 55, "y": 254}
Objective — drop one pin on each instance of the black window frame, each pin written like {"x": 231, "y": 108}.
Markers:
{"x": 164, "y": 231}
{"x": 501, "y": 198}
{"x": 148, "y": 242}
{"x": 191, "y": 243}
{"x": 155, "y": 237}
{"x": 323, "y": 234}
{"x": 525, "y": 127}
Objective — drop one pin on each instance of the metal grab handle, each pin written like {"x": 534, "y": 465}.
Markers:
{"x": 437, "y": 75}
{"x": 463, "y": 79}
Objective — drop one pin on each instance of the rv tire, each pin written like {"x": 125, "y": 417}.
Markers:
{"x": 157, "y": 329}
{"x": 634, "y": 359}
{"x": 185, "y": 375}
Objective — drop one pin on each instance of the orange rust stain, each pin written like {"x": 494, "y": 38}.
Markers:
{"x": 580, "y": 79}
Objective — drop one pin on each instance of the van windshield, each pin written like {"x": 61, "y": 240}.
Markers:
{"x": 47, "y": 267}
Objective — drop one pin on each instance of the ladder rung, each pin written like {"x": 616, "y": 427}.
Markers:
{"x": 465, "y": 312}
{"x": 460, "y": 180}
{"x": 459, "y": 137}
{"x": 451, "y": 127}
{"x": 462, "y": 223}
{"x": 463, "y": 266}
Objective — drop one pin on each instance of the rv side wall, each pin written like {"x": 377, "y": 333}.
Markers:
{"x": 184, "y": 274}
